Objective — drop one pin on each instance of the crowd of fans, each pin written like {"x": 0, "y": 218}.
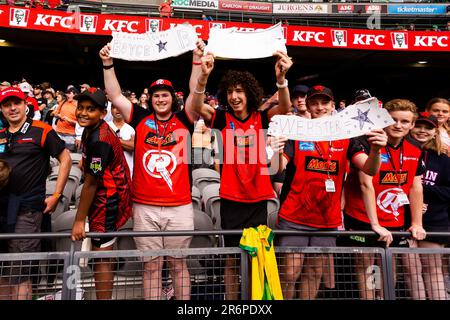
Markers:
{"x": 132, "y": 166}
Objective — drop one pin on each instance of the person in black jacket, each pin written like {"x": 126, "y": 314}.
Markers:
{"x": 436, "y": 189}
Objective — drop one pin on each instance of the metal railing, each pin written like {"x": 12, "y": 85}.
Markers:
{"x": 392, "y": 273}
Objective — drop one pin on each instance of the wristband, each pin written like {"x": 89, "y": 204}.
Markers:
{"x": 57, "y": 195}
{"x": 197, "y": 63}
{"x": 200, "y": 92}
{"x": 282, "y": 86}
{"x": 108, "y": 67}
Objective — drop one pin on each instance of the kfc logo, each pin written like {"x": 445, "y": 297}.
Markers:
{"x": 153, "y": 25}
{"x": 88, "y": 23}
{"x": 399, "y": 40}
{"x": 339, "y": 38}
{"x": 18, "y": 17}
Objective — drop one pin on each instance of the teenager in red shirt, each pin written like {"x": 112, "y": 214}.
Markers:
{"x": 161, "y": 175}
{"x": 245, "y": 183}
{"x": 377, "y": 202}
{"x": 311, "y": 194}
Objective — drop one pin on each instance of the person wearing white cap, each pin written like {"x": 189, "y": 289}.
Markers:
{"x": 32, "y": 104}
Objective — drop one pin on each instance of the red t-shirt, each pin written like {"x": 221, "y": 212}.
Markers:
{"x": 245, "y": 176}
{"x": 161, "y": 175}
{"x": 392, "y": 179}
{"x": 304, "y": 198}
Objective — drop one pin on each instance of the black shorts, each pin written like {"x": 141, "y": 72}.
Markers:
{"x": 240, "y": 215}
{"x": 369, "y": 241}
{"x": 440, "y": 240}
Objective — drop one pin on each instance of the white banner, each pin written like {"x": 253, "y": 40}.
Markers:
{"x": 154, "y": 45}
{"x": 233, "y": 44}
{"x": 353, "y": 121}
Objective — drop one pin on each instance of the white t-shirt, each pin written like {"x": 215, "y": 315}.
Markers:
{"x": 124, "y": 133}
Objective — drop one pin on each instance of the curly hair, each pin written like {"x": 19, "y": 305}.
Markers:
{"x": 252, "y": 89}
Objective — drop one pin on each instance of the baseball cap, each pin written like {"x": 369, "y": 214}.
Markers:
{"x": 85, "y": 85}
{"x": 97, "y": 97}
{"x": 298, "y": 90}
{"x": 11, "y": 92}
{"x": 161, "y": 84}
{"x": 362, "y": 94}
{"x": 5, "y": 84}
{"x": 25, "y": 87}
{"x": 319, "y": 90}
{"x": 426, "y": 117}
{"x": 73, "y": 90}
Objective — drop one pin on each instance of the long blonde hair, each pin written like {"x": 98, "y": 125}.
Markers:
{"x": 439, "y": 100}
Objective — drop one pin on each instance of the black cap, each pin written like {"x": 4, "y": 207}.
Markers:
{"x": 320, "y": 90}
{"x": 72, "y": 89}
{"x": 362, "y": 94}
{"x": 98, "y": 98}
{"x": 299, "y": 90}
{"x": 425, "y": 117}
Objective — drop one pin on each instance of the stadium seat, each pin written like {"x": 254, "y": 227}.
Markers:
{"x": 64, "y": 223}
{"x": 273, "y": 206}
{"x": 72, "y": 182}
{"x": 202, "y": 177}
{"x": 78, "y": 195}
{"x": 202, "y": 222}
{"x": 76, "y": 157}
{"x": 63, "y": 204}
{"x": 196, "y": 198}
{"x": 211, "y": 203}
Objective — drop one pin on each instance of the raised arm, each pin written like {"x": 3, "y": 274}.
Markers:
{"x": 282, "y": 65}
{"x": 197, "y": 55}
{"x": 198, "y": 93}
{"x": 112, "y": 84}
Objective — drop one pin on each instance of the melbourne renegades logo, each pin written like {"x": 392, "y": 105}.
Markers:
{"x": 388, "y": 201}
{"x": 18, "y": 17}
{"x": 160, "y": 165}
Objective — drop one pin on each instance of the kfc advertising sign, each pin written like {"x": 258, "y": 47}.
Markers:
{"x": 99, "y": 24}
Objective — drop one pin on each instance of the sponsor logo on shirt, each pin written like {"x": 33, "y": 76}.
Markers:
{"x": 151, "y": 124}
{"x": 96, "y": 165}
{"x": 319, "y": 165}
{"x": 410, "y": 158}
{"x": 244, "y": 141}
{"x": 168, "y": 140}
{"x": 25, "y": 140}
{"x": 384, "y": 158}
{"x": 392, "y": 178}
{"x": 306, "y": 146}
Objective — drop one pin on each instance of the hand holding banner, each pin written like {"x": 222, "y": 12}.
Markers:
{"x": 153, "y": 46}
{"x": 233, "y": 44}
{"x": 353, "y": 121}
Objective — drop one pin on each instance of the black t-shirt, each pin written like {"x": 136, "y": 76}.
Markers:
{"x": 28, "y": 152}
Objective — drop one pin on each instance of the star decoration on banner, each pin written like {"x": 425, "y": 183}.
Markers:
{"x": 362, "y": 117}
{"x": 161, "y": 46}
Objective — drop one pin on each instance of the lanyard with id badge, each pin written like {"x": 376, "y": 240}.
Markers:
{"x": 402, "y": 198}
{"x": 329, "y": 183}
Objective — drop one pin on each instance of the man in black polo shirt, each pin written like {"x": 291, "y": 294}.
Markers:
{"x": 26, "y": 146}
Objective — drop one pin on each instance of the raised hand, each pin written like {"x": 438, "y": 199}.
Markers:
{"x": 282, "y": 65}
{"x": 104, "y": 54}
